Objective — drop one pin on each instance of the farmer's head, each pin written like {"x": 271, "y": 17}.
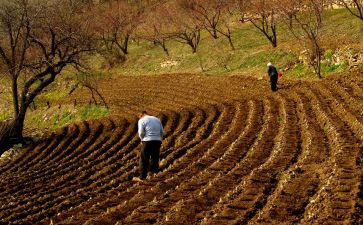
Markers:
{"x": 269, "y": 64}
{"x": 142, "y": 114}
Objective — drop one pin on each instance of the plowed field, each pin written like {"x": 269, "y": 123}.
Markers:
{"x": 234, "y": 153}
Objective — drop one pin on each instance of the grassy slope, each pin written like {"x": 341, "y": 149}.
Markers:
{"x": 252, "y": 52}
{"x": 214, "y": 57}
{"x": 44, "y": 118}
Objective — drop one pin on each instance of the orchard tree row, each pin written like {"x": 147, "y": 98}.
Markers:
{"x": 118, "y": 22}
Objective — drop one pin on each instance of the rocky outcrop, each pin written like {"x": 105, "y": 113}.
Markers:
{"x": 345, "y": 55}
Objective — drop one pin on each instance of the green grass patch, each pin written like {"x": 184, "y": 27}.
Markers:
{"x": 4, "y": 116}
{"x": 62, "y": 119}
{"x": 92, "y": 112}
{"x": 334, "y": 68}
{"x": 54, "y": 118}
{"x": 53, "y": 95}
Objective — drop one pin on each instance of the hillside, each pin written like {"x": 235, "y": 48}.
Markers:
{"x": 342, "y": 35}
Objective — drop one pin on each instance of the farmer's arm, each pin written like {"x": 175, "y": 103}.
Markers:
{"x": 141, "y": 129}
{"x": 161, "y": 130}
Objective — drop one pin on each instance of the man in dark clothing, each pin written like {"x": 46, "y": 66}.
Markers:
{"x": 150, "y": 131}
{"x": 273, "y": 74}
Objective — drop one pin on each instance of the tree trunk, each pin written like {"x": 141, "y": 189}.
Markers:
{"x": 11, "y": 132}
{"x": 192, "y": 45}
{"x": 126, "y": 45}
{"x": 194, "y": 48}
{"x": 16, "y": 133}
{"x": 290, "y": 20}
{"x": 93, "y": 96}
{"x": 274, "y": 43}
{"x": 4, "y": 135}
{"x": 165, "y": 50}
{"x": 272, "y": 38}
{"x": 14, "y": 88}
{"x": 215, "y": 34}
{"x": 318, "y": 60}
{"x": 231, "y": 42}
{"x": 212, "y": 31}
{"x": 163, "y": 45}
{"x": 315, "y": 54}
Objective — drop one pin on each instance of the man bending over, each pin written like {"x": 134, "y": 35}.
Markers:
{"x": 150, "y": 131}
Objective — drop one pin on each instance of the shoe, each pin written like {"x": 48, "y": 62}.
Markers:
{"x": 137, "y": 179}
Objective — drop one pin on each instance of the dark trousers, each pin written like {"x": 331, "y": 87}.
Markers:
{"x": 150, "y": 150}
{"x": 273, "y": 80}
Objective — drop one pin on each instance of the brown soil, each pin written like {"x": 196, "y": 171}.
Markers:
{"x": 234, "y": 153}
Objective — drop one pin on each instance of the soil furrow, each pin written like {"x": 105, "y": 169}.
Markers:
{"x": 183, "y": 168}
{"x": 233, "y": 153}
{"x": 125, "y": 177}
{"x": 341, "y": 181}
{"x": 285, "y": 202}
{"x": 354, "y": 122}
{"x": 52, "y": 171}
{"x": 54, "y": 143}
{"x": 217, "y": 179}
{"x": 255, "y": 157}
{"x": 67, "y": 179}
{"x": 197, "y": 181}
{"x": 354, "y": 105}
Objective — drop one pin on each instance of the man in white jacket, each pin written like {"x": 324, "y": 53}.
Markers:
{"x": 150, "y": 131}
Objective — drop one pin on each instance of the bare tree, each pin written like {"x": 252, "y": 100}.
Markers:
{"x": 307, "y": 23}
{"x": 91, "y": 81}
{"x": 189, "y": 35}
{"x": 262, "y": 14}
{"x": 117, "y": 22}
{"x": 156, "y": 28}
{"x": 212, "y": 15}
{"x": 183, "y": 26}
{"x": 206, "y": 12}
{"x": 225, "y": 25}
{"x": 355, "y": 7}
{"x": 35, "y": 47}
